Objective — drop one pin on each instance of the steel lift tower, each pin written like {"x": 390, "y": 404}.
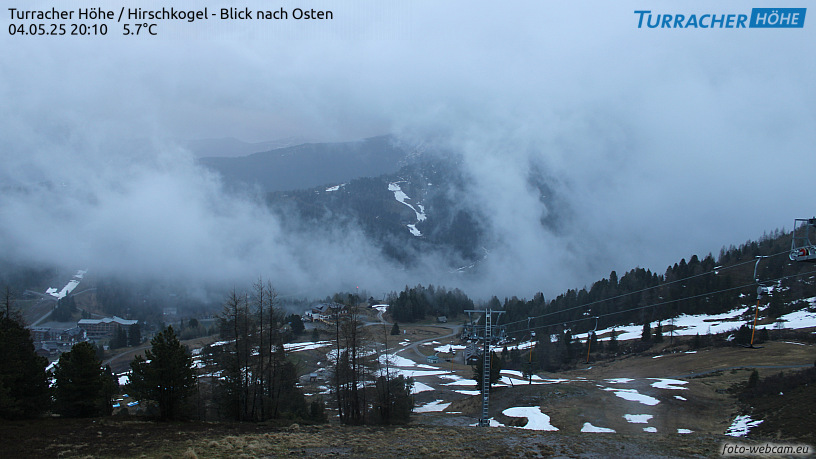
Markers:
{"x": 487, "y": 339}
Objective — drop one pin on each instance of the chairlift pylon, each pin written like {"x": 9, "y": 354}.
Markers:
{"x": 589, "y": 338}
{"x": 529, "y": 363}
{"x": 803, "y": 240}
{"x": 761, "y": 289}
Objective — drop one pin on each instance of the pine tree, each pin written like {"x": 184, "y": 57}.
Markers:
{"x": 743, "y": 335}
{"x": 393, "y": 403}
{"x": 495, "y": 370}
{"x": 646, "y": 336}
{"x": 82, "y": 385}
{"x": 613, "y": 341}
{"x": 658, "y": 334}
{"x": 296, "y": 323}
{"x": 24, "y": 390}
{"x": 762, "y": 335}
{"x": 395, "y": 330}
{"x": 134, "y": 335}
{"x": 64, "y": 309}
{"x": 110, "y": 387}
{"x": 167, "y": 378}
{"x": 317, "y": 410}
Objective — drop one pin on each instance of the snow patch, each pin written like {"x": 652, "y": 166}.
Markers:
{"x": 634, "y": 396}
{"x": 715, "y": 323}
{"x": 305, "y": 346}
{"x": 421, "y": 387}
{"x": 668, "y": 384}
{"x": 590, "y": 428}
{"x": 519, "y": 346}
{"x": 491, "y": 421}
{"x": 449, "y": 347}
{"x": 741, "y": 426}
{"x": 619, "y": 380}
{"x": 650, "y": 429}
{"x": 536, "y": 420}
{"x": 397, "y": 361}
{"x": 434, "y": 406}
{"x": 638, "y": 418}
{"x": 468, "y": 392}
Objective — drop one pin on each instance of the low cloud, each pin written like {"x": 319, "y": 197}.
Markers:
{"x": 655, "y": 144}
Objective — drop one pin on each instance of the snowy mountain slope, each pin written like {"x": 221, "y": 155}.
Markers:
{"x": 418, "y": 210}
{"x": 400, "y": 196}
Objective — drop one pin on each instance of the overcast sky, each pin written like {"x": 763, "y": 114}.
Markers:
{"x": 663, "y": 142}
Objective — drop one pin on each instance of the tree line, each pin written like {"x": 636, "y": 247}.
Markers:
{"x": 246, "y": 376}
{"x": 697, "y": 286}
{"x": 416, "y": 303}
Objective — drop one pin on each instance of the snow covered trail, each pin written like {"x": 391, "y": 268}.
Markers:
{"x": 72, "y": 284}
{"x": 400, "y": 196}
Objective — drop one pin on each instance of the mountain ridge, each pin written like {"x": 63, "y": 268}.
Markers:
{"x": 310, "y": 164}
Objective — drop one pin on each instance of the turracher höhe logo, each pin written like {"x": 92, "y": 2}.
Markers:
{"x": 760, "y": 18}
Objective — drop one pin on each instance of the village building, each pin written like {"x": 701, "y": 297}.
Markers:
{"x": 66, "y": 332}
{"x": 97, "y": 329}
{"x": 324, "y": 312}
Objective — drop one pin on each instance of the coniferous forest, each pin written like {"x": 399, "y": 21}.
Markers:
{"x": 248, "y": 376}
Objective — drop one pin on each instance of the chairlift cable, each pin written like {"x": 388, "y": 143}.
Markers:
{"x": 713, "y": 271}
{"x": 672, "y": 301}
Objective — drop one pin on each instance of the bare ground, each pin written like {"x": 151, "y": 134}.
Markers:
{"x": 708, "y": 409}
{"x": 129, "y": 438}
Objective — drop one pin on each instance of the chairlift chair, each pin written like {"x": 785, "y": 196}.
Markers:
{"x": 803, "y": 240}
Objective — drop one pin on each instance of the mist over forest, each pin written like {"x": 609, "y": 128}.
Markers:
{"x": 650, "y": 148}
